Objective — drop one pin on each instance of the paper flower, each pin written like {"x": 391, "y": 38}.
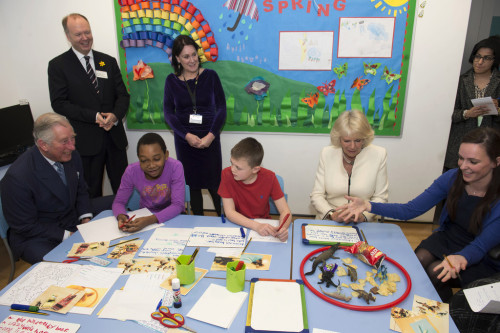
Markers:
{"x": 142, "y": 71}
{"x": 102, "y": 64}
{"x": 258, "y": 87}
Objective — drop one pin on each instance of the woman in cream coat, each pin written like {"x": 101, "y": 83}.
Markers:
{"x": 350, "y": 166}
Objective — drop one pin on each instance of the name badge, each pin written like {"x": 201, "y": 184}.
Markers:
{"x": 195, "y": 119}
{"x": 101, "y": 74}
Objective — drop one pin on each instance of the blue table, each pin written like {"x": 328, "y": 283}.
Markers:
{"x": 280, "y": 261}
{"x": 389, "y": 239}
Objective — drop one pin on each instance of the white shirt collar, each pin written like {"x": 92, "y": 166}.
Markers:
{"x": 81, "y": 55}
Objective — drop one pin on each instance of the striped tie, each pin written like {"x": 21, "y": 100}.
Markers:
{"x": 91, "y": 74}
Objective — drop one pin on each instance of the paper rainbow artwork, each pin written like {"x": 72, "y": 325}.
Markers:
{"x": 158, "y": 23}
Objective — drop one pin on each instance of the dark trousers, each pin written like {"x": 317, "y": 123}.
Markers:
{"x": 115, "y": 161}
{"x": 197, "y": 201}
{"x": 39, "y": 247}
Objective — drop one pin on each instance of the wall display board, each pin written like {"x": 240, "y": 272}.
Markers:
{"x": 288, "y": 66}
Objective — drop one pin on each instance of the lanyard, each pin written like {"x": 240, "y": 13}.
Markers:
{"x": 192, "y": 93}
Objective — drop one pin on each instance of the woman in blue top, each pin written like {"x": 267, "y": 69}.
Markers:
{"x": 470, "y": 222}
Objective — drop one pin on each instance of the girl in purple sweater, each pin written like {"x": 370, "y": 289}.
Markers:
{"x": 159, "y": 179}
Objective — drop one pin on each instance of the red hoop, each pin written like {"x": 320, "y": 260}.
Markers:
{"x": 350, "y": 306}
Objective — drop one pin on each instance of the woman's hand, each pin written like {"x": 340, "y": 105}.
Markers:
{"x": 353, "y": 211}
{"x": 476, "y": 111}
{"x": 139, "y": 223}
{"x": 206, "y": 141}
{"x": 193, "y": 140}
{"x": 459, "y": 263}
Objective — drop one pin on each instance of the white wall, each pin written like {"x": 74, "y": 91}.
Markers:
{"x": 414, "y": 160}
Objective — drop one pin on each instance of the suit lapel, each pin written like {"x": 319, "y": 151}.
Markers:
{"x": 48, "y": 176}
{"x": 100, "y": 65}
{"x": 71, "y": 180}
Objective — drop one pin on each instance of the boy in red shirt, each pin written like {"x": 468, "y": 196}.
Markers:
{"x": 245, "y": 189}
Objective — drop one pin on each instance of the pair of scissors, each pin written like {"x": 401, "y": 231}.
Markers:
{"x": 73, "y": 259}
{"x": 169, "y": 319}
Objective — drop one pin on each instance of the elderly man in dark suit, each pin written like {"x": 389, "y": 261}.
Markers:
{"x": 86, "y": 86}
{"x": 44, "y": 194}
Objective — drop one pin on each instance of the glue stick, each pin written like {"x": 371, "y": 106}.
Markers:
{"x": 176, "y": 288}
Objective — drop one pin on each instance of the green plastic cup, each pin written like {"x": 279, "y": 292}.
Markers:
{"x": 235, "y": 280}
{"x": 185, "y": 272}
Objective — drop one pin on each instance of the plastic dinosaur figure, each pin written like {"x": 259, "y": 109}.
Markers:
{"x": 364, "y": 295}
{"x": 337, "y": 294}
{"x": 351, "y": 271}
{"x": 327, "y": 273}
{"x": 323, "y": 257}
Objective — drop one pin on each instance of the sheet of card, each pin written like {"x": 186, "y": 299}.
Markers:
{"x": 166, "y": 242}
{"x": 329, "y": 233}
{"x": 18, "y": 324}
{"x": 106, "y": 229}
{"x": 254, "y": 235}
{"x": 217, "y": 237}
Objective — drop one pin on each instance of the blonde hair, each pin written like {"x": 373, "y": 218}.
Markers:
{"x": 352, "y": 123}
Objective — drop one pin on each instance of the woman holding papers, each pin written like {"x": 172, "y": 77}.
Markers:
{"x": 350, "y": 165}
{"x": 457, "y": 252}
{"x": 482, "y": 80}
{"x": 158, "y": 178}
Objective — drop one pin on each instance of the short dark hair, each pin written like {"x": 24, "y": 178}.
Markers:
{"x": 151, "y": 139}
{"x": 179, "y": 43}
{"x": 72, "y": 15}
{"x": 489, "y": 138}
{"x": 493, "y": 43}
{"x": 250, "y": 149}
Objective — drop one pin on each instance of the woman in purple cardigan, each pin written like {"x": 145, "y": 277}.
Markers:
{"x": 195, "y": 108}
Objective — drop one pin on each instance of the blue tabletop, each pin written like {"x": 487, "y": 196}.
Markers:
{"x": 389, "y": 239}
{"x": 280, "y": 261}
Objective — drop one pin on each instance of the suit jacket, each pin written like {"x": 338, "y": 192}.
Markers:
{"x": 459, "y": 125}
{"x": 368, "y": 179}
{"x": 73, "y": 96}
{"x": 37, "y": 204}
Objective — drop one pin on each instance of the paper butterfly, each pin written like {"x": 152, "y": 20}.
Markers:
{"x": 341, "y": 70}
{"x": 371, "y": 69}
{"x": 312, "y": 100}
{"x": 359, "y": 83}
{"x": 328, "y": 88}
{"x": 389, "y": 77}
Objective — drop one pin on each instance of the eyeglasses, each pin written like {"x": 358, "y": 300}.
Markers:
{"x": 478, "y": 57}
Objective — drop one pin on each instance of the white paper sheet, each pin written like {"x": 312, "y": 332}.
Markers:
{"x": 166, "y": 242}
{"x": 15, "y": 324}
{"x": 258, "y": 238}
{"x": 130, "y": 305}
{"x": 485, "y": 299}
{"x": 488, "y": 102}
{"x": 106, "y": 229}
{"x": 217, "y": 237}
{"x": 226, "y": 251}
{"x": 218, "y": 306}
{"x": 319, "y": 330}
{"x": 277, "y": 306}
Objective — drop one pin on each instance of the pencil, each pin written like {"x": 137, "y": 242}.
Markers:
{"x": 38, "y": 313}
{"x": 449, "y": 263}
{"x": 126, "y": 241}
{"x": 284, "y": 220}
{"x": 130, "y": 219}
{"x": 246, "y": 246}
{"x": 363, "y": 234}
{"x": 193, "y": 255}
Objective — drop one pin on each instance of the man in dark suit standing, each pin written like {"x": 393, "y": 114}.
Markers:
{"x": 44, "y": 194}
{"x": 86, "y": 86}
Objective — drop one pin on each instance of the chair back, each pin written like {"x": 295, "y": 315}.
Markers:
{"x": 3, "y": 223}
{"x": 133, "y": 201}
{"x": 273, "y": 210}
{"x": 187, "y": 199}
{"x": 4, "y": 227}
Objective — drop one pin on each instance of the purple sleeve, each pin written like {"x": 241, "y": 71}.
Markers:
{"x": 220, "y": 106}
{"x": 169, "y": 109}
{"x": 124, "y": 192}
{"x": 177, "y": 186}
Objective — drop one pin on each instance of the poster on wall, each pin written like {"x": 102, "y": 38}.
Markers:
{"x": 287, "y": 66}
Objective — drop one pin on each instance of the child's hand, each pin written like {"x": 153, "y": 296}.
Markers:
{"x": 282, "y": 235}
{"x": 265, "y": 229}
{"x": 122, "y": 220}
{"x": 139, "y": 223}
